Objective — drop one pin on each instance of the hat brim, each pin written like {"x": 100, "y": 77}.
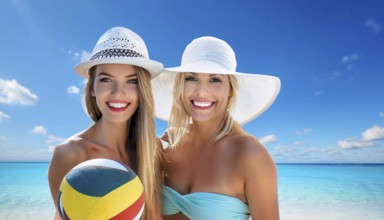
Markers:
{"x": 255, "y": 94}
{"x": 201, "y": 66}
{"x": 152, "y": 66}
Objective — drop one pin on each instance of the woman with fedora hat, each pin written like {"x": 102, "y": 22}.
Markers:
{"x": 212, "y": 168}
{"x": 118, "y": 98}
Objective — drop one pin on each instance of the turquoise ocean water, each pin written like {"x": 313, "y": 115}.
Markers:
{"x": 324, "y": 192}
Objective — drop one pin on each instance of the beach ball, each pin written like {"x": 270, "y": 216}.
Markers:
{"x": 101, "y": 189}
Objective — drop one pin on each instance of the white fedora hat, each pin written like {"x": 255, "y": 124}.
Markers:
{"x": 119, "y": 45}
{"x": 255, "y": 93}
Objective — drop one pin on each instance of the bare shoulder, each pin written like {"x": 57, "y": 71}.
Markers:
{"x": 252, "y": 155}
{"x": 65, "y": 156}
{"x": 70, "y": 152}
{"x": 260, "y": 177}
{"x": 72, "y": 148}
{"x": 246, "y": 145}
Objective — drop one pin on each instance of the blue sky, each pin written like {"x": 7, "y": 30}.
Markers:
{"x": 328, "y": 54}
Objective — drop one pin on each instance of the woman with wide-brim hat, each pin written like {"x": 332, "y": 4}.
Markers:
{"x": 212, "y": 168}
{"x": 118, "y": 98}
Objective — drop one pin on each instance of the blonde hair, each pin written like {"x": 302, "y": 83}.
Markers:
{"x": 141, "y": 146}
{"x": 180, "y": 122}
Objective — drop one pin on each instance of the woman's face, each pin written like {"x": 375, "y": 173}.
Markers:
{"x": 116, "y": 91}
{"x": 206, "y": 95}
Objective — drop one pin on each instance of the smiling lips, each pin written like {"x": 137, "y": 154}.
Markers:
{"x": 202, "y": 104}
{"x": 117, "y": 106}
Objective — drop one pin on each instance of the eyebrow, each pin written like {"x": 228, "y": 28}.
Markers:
{"x": 109, "y": 75}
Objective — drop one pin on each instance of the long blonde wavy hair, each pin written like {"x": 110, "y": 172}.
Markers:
{"x": 141, "y": 146}
{"x": 180, "y": 122}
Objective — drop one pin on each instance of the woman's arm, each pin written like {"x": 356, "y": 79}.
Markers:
{"x": 260, "y": 182}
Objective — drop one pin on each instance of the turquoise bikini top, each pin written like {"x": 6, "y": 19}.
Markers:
{"x": 204, "y": 205}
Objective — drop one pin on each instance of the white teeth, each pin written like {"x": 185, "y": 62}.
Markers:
{"x": 202, "y": 104}
{"x": 117, "y": 104}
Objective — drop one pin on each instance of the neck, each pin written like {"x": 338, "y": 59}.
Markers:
{"x": 112, "y": 135}
{"x": 204, "y": 132}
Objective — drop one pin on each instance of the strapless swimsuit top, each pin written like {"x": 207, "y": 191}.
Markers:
{"x": 204, "y": 205}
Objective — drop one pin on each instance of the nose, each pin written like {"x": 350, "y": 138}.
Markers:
{"x": 202, "y": 88}
{"x": 117, "y": 88}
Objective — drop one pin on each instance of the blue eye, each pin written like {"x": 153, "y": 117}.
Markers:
{"x": 133, "y": 81}
{"x": 215, "y": 80}
{"x": 105, "y": 79}
{"x": 190, "y": 78}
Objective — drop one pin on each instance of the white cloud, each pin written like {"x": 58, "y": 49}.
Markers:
{"x": 304, "y": 131}
{"x": 2, "y": 137}
{"x": 299, "y": 153}
{"x": 73, "y": 90}
{"x": 374, "y": 133}
{"x": 81, "y": 56}
{"x": 283, "y": 150}
{"x": 381, "y": 114}
{"x": 327, "y": 77}
{"x": 355, "y": 143}
{"x": 329, "y": 150}
{"x": 333, "y": 151}
{"x": 350, "y": 58}
{"x": 26, "y": 153}
{"x": 3, "y": 116}
{"x": 268, "y": 139}
{"x": 367, "y": 139}
{"x": 39, "y": 130}
{"x": 53, "y": 139}
{"x": 373, "y": 25}
{"x": 11, "y": 92}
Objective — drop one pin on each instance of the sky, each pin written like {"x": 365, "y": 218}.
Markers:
{"x": 329, "y": 56}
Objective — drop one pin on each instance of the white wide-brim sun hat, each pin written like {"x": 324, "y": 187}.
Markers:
{"x": 119, "y": 45}
{"x": 255, "y": 92}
